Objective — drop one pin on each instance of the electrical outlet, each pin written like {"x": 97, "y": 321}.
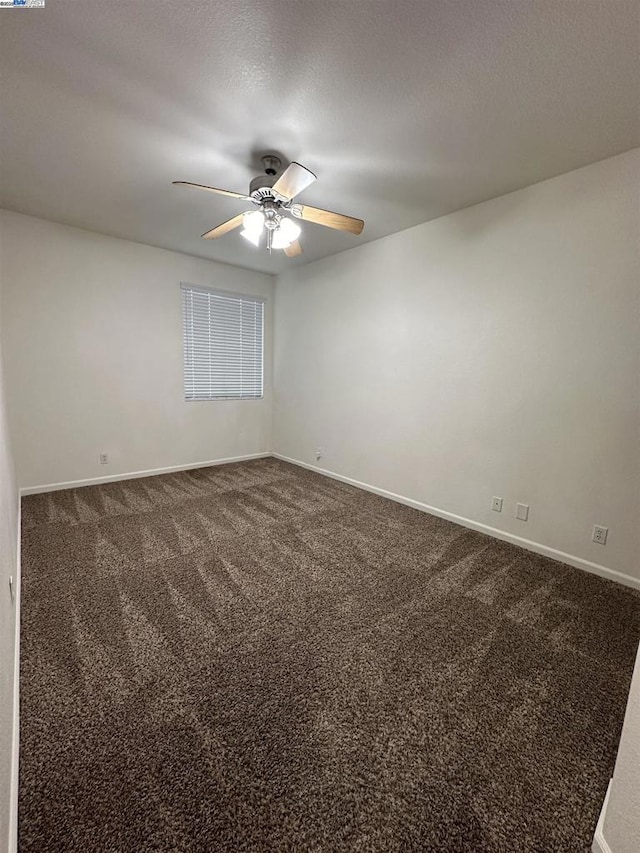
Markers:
{"x": 12, "y": 591}
{"x": 104, "y": 458}
{"x": 318, "y": 453}
{"x": 522, "y": 512}
{"x": 496, "y": 504}
{"x": 600, "y": 534}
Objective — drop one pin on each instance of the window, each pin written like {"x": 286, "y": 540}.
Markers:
{"x": 223, "y": 344}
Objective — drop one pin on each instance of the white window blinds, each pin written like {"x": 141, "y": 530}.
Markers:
{"x": 223, "y": 343}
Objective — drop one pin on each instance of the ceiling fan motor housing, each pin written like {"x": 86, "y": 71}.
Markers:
{"x": 260, "y": 187}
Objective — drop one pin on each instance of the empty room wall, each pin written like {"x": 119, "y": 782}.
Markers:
{"x": 93, "y": 329}
{"x": 494, "y": 351}
{"x": 8, "y": 616}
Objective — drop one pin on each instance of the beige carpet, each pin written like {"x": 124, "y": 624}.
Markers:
{"x": 254, "y": 657}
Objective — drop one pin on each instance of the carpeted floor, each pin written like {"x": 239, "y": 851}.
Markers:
{"x": 254, "y": 657}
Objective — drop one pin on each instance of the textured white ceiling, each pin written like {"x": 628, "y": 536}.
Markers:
{"x": 405, "y": 109}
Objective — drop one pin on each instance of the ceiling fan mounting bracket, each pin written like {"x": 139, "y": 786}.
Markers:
{"x": 271, "y": 164}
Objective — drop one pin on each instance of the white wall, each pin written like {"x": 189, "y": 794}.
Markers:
{"x": 93, "y": 329}
{"x": 8, "y": 616}
{"x": 621, "y": 827}
{"x": 495, "y": 351}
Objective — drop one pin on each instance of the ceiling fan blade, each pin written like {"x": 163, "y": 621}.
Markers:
{"x": 227, "y": 226}
{"x": 326, "y": 217}
{"x": 293, "y": 180}
{"x": 229, "y": 193}
{"x": 293, "y": 250}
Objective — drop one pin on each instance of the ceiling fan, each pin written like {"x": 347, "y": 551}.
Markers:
{"x": 273, "y": 194}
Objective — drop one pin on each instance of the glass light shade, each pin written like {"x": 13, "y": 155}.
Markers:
{"x": 288, "y": 231}
{"x": 253, "y": 221}
{"x": 252, "y": 236}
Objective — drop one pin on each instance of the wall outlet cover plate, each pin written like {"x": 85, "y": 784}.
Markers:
{"x": 599, "y": 535}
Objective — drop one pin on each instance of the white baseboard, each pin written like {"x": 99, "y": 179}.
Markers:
{"x": 15, "y": 745}
{"x": 536, "y": 547}
{"x": 528, "y": 544}
{"x": 599, "y": 842}
{"x": 134, "y": 475}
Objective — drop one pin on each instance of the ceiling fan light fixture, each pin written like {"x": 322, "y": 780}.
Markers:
{"x": 253, "y": 221}
{"x": 287, "y": 233}
{"x": 253, "y": 226}
{"x": 252, "y": 236}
